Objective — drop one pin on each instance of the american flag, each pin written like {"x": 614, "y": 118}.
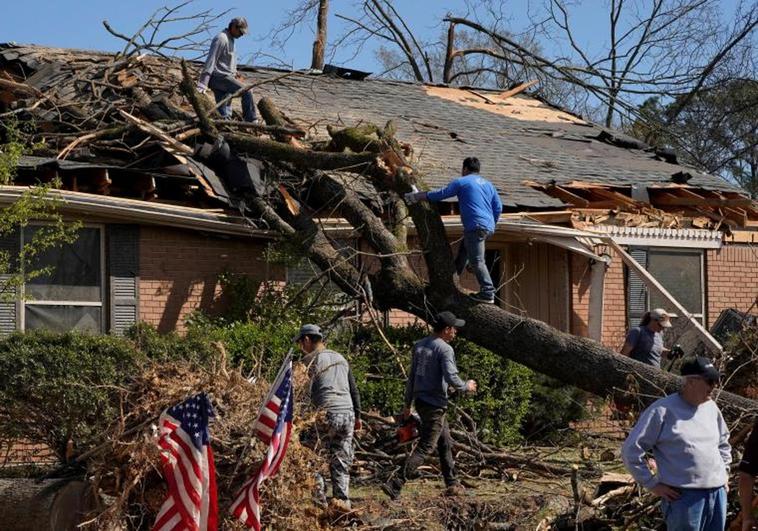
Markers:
{"x": 273, "y": 426}
{"x": 188, "y": 468}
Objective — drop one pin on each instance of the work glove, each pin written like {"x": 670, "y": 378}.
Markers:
{"x": 676, "y": 351}
{"x": 414, "y": 197}
{"x": 201, "y": 88}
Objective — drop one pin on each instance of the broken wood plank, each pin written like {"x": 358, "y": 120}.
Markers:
{"x": 154, "y": 131}
{"x": 518, "y": 89}
{"x": 668, "y": 199}
{"x": 566, "y": 195}
{"x": 485, "y": 98}
{"x": 617, "y": 197}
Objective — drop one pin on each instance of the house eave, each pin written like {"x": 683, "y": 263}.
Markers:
{"x": 661, "y": 237}
{"x": 141, "y": 212}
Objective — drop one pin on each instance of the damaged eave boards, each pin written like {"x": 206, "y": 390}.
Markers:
{"x": 138, "y": 211}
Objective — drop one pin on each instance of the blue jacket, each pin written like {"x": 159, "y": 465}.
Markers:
{"x": 477, "y": 198}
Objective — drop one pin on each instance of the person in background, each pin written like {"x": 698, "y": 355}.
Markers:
{"x": 220, "y": 71}
{"x": 332, "y": 389}
{"x": 480, "y": 207}
{"x": 689, "y": 440}
{"x": 644, "y": 343}
{"x": 433, "y": 368}
{"x": 748, "y": 472}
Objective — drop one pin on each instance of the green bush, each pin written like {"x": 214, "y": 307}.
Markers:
{"x": 553, "y": 406}
{"x": 497, "y": 408}
{"x": 59, "y": 386}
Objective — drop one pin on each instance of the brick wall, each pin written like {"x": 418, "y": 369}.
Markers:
{"x": 580, "y": 294}
{"x": 179, "y": 272}
{"x": 614, "y": 300}
{"x": 614, "y": 304}
{"x": 732, "y": 279}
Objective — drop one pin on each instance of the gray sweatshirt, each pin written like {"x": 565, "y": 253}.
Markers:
{"x": 432, "y": 370}
{"x": 690, "y": 445}
{"x": 221, "y": 59}
{"x": 332, "y": 386}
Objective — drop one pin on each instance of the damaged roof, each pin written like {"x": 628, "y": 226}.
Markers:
{"x": 519, "y": 139}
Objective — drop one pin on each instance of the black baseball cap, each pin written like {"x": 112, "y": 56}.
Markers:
{"x": 700, "y": 366}
{"x": 448, "y": 319}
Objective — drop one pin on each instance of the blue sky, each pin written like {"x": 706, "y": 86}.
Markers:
{"x": 78, "y": 24}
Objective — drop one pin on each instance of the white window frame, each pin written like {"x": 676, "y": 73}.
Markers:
{"x": 22, "y": 300}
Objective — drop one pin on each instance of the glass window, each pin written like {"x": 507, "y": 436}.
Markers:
{"x": 75, "y": 274}
{"x": 63, "y": 318}
{"x": 681, "y": 274}
{"x": 70, "y": 295}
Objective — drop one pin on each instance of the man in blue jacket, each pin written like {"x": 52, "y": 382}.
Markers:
{"x": 480, "y": 207}
{"x": 433, "y": 369}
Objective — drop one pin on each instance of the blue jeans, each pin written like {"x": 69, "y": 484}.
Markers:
{"x": 696, "y": 510}
{"x": 223, "y": 86}
{"x": 471, "y": 251}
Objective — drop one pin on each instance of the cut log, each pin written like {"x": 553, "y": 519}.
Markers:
{"x": 51, "y": 505}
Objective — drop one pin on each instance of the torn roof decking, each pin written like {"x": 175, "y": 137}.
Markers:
{"x": 517, "y": 138}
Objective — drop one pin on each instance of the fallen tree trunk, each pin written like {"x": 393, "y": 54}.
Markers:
{"x": 393, "y": 284}
{"x": 52, "y": 505}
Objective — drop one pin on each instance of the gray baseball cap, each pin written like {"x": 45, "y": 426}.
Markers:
{"x": 308, "y": 330}
{"x": 662, "y": 316}
{"x": 241, "y": 23}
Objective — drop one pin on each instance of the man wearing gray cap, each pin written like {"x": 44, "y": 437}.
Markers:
{"x": 333, "y": 389}
{"x": 220, "y": 70}
{"x": 689, "y": 440}
{"x": 433, "y": 369}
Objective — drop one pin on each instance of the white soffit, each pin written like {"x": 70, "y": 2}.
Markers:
{"x": 659, "y": 237}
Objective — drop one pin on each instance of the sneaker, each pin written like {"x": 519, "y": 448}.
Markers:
{"x": 391, "y": 489}
{"x": 482, "y": 297}
{"x": 455, "y": 490}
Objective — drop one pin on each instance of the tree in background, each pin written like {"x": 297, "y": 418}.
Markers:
{"x": 717, "y": 131}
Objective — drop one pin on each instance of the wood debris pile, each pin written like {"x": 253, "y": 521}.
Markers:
{"x": 124, "y": 472}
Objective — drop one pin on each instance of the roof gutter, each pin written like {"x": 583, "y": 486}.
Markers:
{"x": 142, "y": 212}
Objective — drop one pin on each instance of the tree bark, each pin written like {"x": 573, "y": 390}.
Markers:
{"x": 578, "y": 361}
{"x": 26, "y": 505}
{"x": 319, "y": 45}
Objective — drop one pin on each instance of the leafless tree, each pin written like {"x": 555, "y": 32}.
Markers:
{"x": 188, "y": 33}
{"x": 667, "y": 48}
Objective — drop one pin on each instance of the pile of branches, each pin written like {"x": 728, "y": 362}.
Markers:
{"x": 741, "y": 361}
{"x": 125, "y": 471}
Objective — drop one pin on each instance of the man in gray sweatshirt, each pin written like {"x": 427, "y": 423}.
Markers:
{"x": 220, "y": 71}
{"x": 333, "y": 389}
{"x": 689, "y": 440}
{"x": 433, "y": 369}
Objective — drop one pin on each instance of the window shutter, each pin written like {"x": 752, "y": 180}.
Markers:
{"x": 11, "y": 244}
{"x": 636, "y": 289}
{"x": 123, "y": 262}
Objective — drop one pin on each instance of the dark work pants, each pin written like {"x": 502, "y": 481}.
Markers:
{"x": 223, "y": 86}
{"x": 434, "y": 432}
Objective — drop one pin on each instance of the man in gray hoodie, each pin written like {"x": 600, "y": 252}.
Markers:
{"x": 332, "y": 389}
{"x": 433, "y": 369}
{"x": 220, "y": 71}
{"x": 689, "y": 440}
